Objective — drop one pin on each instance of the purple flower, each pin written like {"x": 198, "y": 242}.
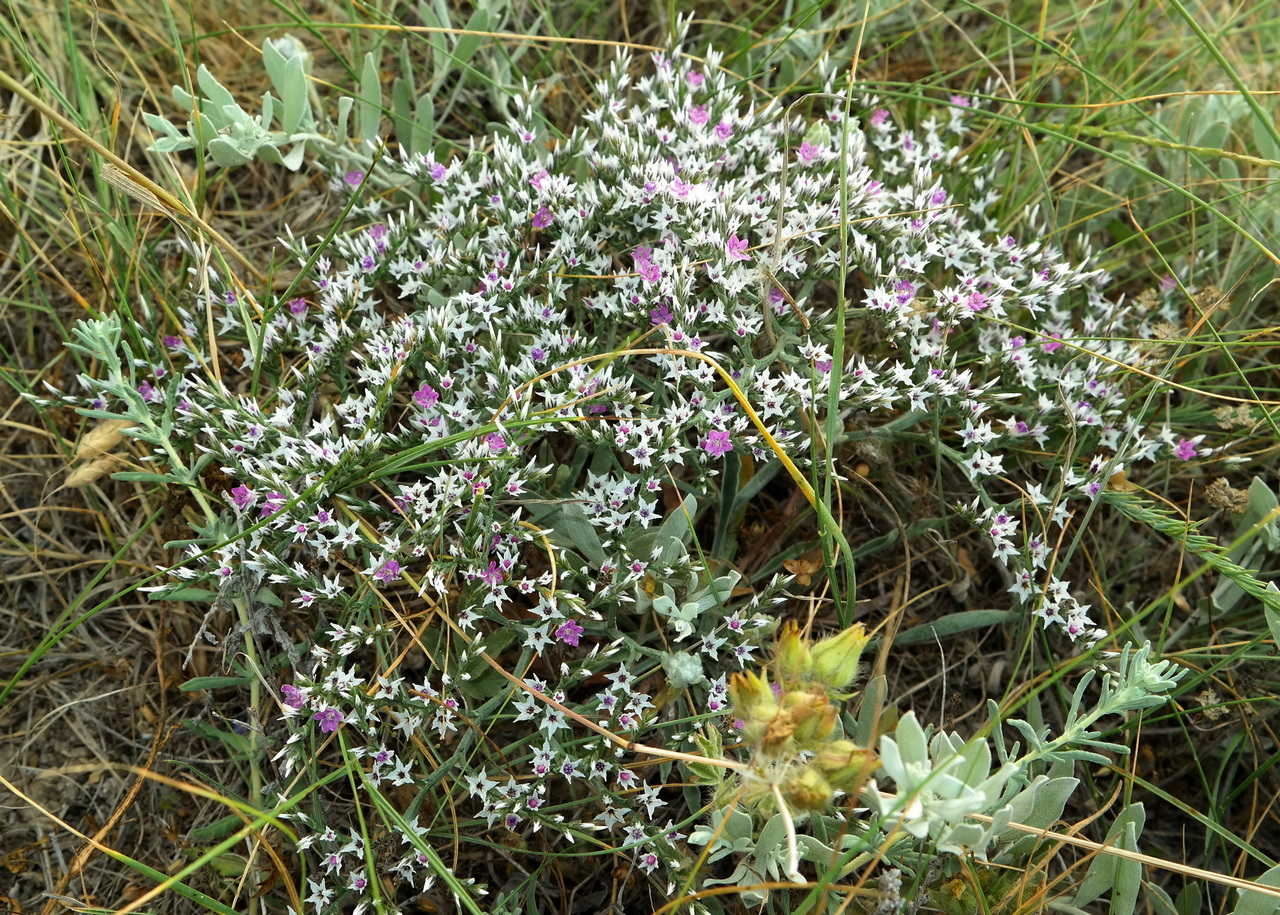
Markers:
{"x": 542, "y": 218}
{"x": 648, "y": 270}
{"x": 569, "y": 632}
{"x": 353, "y": 177}
{"x": 437, "y": 172}
{"x": 297, "y": 306}
{"x": 695, "y": 79}
{"x": 273, "y": 502}
{"x": 492, "y": 576}
{"x": 879, "y": 116}
{"x": 148, "y": 392}
{"x": 426, "y": 396}
{"x": 242, "y": 496}
{"x": 736, "y": 248}
{"x": 717, "y": 442}
{"x": 329, "y": 718}
{"x": 807, "y": 153}
{"x": 387, "y": 571}
{"x": 724, "y": 130}
{"x": 172, "y": 342}
{"x": 1052, "y": 345}
{"x": 976, "y": 301}
{"x": 698, "y": 115}
{"x": 495, "y": 441}
{"x": 1185, "y": 449}
{"x": 938, "y": 197}
{"x": 293, "y": 697}
{"x": 660, "y": 315}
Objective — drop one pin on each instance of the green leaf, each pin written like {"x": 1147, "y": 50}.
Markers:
{"x": 219, "y": 828}
{"x": 370, "y": 112}
{"x": 225, "y": 153}
{"x": 424, "y": 125}
{"x": 1262, "y": 502}
{"x": 186, "y": 595}
{"x": 570, "y": 527}
{"x": 1273, "y": 617}
{"x": 1189, "y": 900}
{"x": 344, "y": 114}
{"x": 1252, "y": 902}
{"x": 1104, "y": 873}
{"x": 953, "y": 624}
{"x": 467, "y": 44}
{"x": 142, "y": 476}
{"x": 196, "y": 684}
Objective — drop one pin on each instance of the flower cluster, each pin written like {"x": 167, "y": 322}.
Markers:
{"x": 472, "y": 419}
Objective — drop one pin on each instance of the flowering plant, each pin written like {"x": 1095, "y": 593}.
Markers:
{"x": 476, "y": 439}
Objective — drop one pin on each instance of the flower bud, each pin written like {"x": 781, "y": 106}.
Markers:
{"x": 814, "y": 716}
{"x": 835, "y": 659}
{"x": 807, "y": 790}
{"x": 844, "y": 763}
{"x": 752, "y": 699}
{"x": 792, "y": 654}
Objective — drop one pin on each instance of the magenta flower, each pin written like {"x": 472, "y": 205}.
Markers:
{"x": 426, "y": 396}
{"x": 717, "y": 443}
{"x": 437, "y": 172}
{"x": 492, "y": 576}
{"x": 695, "y": 79}
{"x": 569, "y": 632}
{"x": 495, "y": 441}
{"x": 698, "y": 115}
{"x": 807, "y": 153}
{"x": 329, "y": 718}
{"x": 724, "y": 130}
{"x": 660, "y": 315}
{"x": 242, "y": 496}
{"x": 353, "y": 177}
{"x": 976, "y": 301}
{"x": 879, "y": 116}
{"x": 1052, "y": 345}
{"x": 293, "y": 697}
{"x": 148, "y": 392}
{"x": 387, "y": 571}
{"x": 297, "y": 306}
{"x": 273, "y": 502}
{"x": 172, "y": 342}
{"x": 542, "y": 218}
{"x": 1185, "y": 450}
{"x": 736, "y": 248}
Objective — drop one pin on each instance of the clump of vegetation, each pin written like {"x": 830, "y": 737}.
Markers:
{"x": 466, "y": 493}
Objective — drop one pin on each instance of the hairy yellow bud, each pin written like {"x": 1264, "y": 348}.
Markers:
{"x": 845, "y": 764}
{"x": 807, "y": 790}
{"x": 814, "y": 716}
{"x": 752, "y": 699}
{"x": 835, "y": 659}
{"x": 791, "y": 654}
